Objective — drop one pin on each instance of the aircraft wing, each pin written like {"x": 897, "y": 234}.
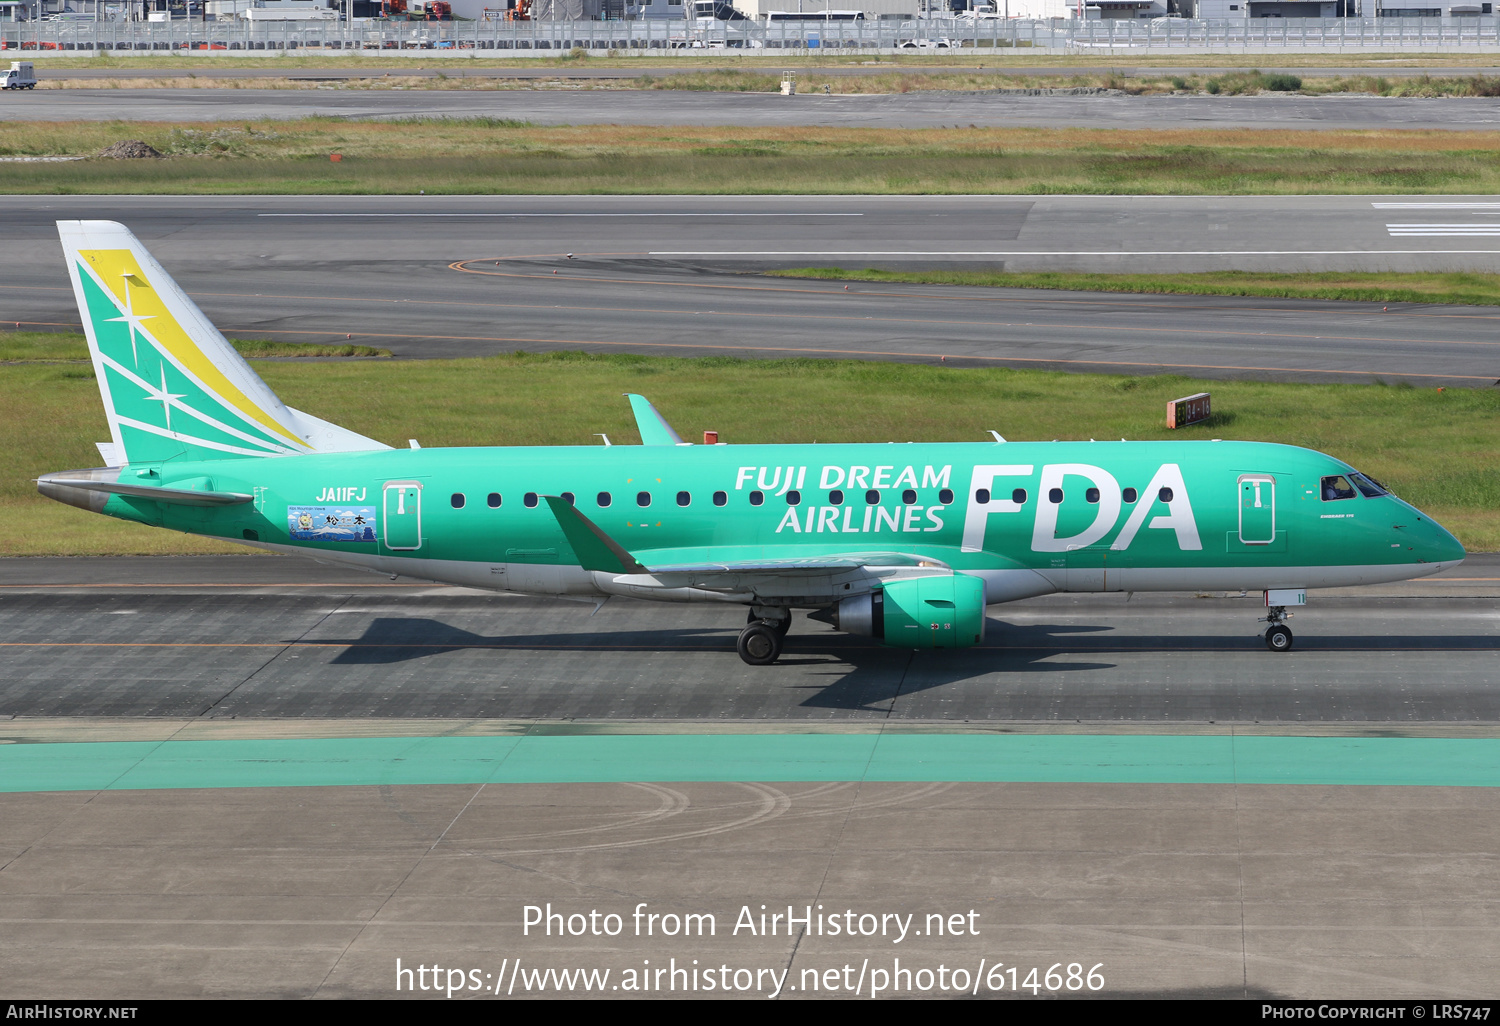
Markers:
{"x": 801, "y": 575}
{"x": 652, "y": 425}
{"x": 801, "y": 565}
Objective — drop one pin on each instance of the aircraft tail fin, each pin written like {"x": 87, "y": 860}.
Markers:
{"x": 173, "y": 387}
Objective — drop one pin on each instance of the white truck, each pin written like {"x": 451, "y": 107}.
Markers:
{"x": 20, "y": 76}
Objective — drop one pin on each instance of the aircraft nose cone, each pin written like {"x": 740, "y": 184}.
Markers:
{"x": 1437, "y": 545}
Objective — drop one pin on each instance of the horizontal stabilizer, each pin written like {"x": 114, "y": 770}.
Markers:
{"x": 55, "y": 486}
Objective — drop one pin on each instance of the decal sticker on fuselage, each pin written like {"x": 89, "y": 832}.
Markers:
{"x": 331, "y": 523}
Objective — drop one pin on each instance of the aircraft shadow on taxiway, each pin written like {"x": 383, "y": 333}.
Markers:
{"x": 862, "y": 674}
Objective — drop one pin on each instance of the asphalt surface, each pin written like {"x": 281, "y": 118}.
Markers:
{"x": 670, "y": 275}
{"x": 650, "y": 107}
{"x": 1169, "y": 890}
{"x": 279, "y": 637}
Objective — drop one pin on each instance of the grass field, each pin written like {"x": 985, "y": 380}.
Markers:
{"x": 900, "y": 80}
{"x": 1435, "y": 448}
{"x": 1465, "y": 289}
{"x": 485, "y": 156}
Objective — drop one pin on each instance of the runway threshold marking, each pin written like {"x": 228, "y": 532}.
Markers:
{"x": 889, "y": 756}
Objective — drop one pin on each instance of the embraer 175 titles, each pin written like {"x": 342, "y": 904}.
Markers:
{"x": 903, "y": 543}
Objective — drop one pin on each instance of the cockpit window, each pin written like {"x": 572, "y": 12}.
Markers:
{"x": 1368, "y": 486}
{"x": 1337, "y": 487}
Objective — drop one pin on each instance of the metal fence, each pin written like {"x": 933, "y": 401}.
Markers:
{"x": 929, "y": 35}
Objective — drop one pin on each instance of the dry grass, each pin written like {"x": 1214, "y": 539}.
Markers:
{"x": 488, "y": 156}
{"x": 878, "y": 82}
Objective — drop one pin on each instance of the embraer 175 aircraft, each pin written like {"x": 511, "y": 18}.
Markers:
{"x": 904, "y": 543}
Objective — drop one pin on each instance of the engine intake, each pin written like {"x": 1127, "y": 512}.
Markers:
{"x": 925, "y": 612}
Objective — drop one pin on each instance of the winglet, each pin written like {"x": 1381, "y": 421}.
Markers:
{"x": 653, "y": 426}
{"x": 596, "y": 550}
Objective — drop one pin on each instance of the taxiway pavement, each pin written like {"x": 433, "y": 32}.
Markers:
{"x": 1167, "y": 889}
{"x": 464, "y": 276}
{"x": 279, "y": 637}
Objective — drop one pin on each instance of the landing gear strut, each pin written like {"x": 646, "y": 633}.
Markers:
{"x": 1278, "y": 634}
{"x": 760, "y": 642}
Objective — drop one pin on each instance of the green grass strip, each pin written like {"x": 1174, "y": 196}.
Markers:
{"x": 1071, "y": 758}
{"x": 1456, "y": 288}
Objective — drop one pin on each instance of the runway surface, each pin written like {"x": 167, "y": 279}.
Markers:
{"x": 276, "y": 637}
{"x": 670, "y": 275}
{"x": 648, "y": 107}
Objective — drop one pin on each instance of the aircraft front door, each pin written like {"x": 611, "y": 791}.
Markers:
{"x": 403, "y": 515}
{"x": 1257, "y": 509}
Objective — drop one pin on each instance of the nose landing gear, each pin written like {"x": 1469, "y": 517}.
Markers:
{"x": 1278, "y": 634}
{"x": 760, "y": 642}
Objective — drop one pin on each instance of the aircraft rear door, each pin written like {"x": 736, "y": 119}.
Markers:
{"x": 403, "y": 515}
{"x": 1257, "y": 509}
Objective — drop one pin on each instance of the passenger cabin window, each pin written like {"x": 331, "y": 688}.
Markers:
{"x": 1018, "y": 496}
{"x": 457, "y": 500}
{"x": 756, "y": 498}
{"x": 570, "y": 498}
{"x": 1165, "y": 495}
{"x": 835, "y": 498}
{"x": 493, "y": 499}
{"x": 530, "y": 499}
{"x": 604, "y": 499}
{"x": 793, "y": 498}
{"x": 872, "y": 498}
{"x": 982, "y": 496}
{"x": 1337, "y": 487}
{"x": 1055, "y": 496}
{"x": 720, "y": 498}
{"x": 643, "y": 498}
{"x": 684, "y": 499}
{"x": 1131, "y": 494}
{"x": 946, "y": 496}
{"x": 1092, "y": 496}
{"x": 1368, "y": 486}
{"x": 909, "y": 497}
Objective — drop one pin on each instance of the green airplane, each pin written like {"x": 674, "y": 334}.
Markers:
{"x": 904, "y": 543}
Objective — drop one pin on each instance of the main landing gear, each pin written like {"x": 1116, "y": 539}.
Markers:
{"x": 1278, "y": 635}
{"x": 760, "y": 642}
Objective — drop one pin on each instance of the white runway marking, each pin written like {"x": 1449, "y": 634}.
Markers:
{"x": 799, "y": 216}
{"x": 1056, "y": 252}
{"x": 1403, "y": 231}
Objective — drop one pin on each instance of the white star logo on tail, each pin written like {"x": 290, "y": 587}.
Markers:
{"x": 133, "y": 319}
{"x": 167, "y": 399}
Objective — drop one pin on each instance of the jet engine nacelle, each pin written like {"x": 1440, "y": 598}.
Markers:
{"x": 925, "y": 612}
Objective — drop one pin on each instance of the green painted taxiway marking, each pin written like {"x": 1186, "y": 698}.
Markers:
{"x": 1064, "y": 758}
